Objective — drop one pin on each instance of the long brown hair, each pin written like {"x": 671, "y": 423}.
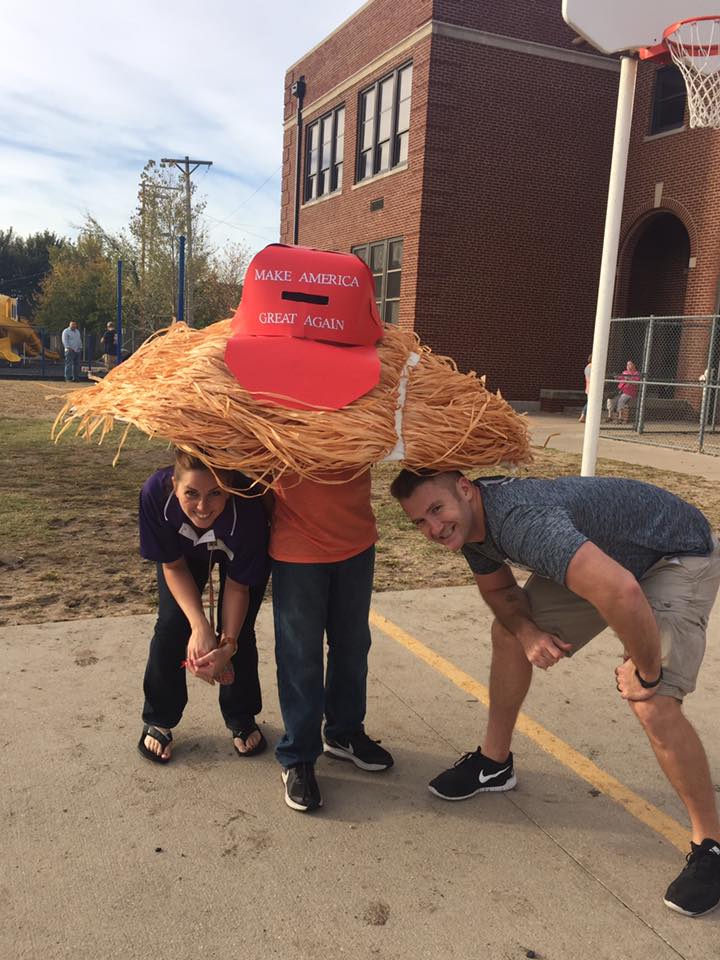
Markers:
{"x": 185, "y": 461}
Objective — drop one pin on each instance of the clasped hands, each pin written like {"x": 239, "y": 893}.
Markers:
{"x": 207, "y": 659}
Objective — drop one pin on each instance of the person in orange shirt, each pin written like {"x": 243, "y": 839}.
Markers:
{"x": 304, "y": 337}
{"x": 322, "y": 544}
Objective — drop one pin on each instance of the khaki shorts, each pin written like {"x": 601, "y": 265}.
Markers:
{"x": 681, "y": 591}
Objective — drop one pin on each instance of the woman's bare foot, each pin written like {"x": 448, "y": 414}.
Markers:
{"x": 244, "y": 746}
{"x": 154, "y": 746}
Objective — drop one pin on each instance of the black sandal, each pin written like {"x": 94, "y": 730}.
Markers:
{"x": 162, "y": 738}
{"x": 243, "y": 733}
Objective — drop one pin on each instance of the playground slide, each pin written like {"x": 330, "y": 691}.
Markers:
{"x": 18, "y": 335}
{"x": 7, "y": 352}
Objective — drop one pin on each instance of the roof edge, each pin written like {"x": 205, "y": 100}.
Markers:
{"x": 331, "y": 34}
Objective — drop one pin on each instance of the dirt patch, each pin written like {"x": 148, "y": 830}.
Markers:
{"x": 32, "y": 399}
{"x": 377, "y": 913}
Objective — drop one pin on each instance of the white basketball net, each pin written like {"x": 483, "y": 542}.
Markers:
{"x": 695, "y": 49}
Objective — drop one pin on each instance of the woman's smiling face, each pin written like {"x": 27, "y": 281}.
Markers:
{"x": 200, "y": 497}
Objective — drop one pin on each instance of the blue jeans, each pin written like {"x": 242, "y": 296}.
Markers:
{"x": 309, "y": 600}
{"x": 72, "y": 365}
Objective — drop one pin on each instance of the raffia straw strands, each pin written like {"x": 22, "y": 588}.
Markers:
{"x": 177, "y": 386}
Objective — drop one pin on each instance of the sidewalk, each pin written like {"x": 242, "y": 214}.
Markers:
{"x": 108, "y": 857}
{"x": 566, "y": 433}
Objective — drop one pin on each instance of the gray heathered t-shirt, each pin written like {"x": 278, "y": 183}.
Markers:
{"x": 541, "y": 524}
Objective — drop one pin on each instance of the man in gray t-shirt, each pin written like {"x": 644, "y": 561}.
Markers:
{"x": 602, "y": 552}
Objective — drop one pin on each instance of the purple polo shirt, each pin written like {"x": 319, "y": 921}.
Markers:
{"x": 238, "y": 538}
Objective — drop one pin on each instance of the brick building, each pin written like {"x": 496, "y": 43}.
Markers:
{"x": 670, "y": 241}
{"x": 463, "y": 148}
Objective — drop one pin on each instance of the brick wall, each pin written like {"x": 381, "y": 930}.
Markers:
{"x": 536, "y": 20}
{"x": 502, "y": 203}
{"x": 515, "y": 195}
{"x": 687, "y": 163}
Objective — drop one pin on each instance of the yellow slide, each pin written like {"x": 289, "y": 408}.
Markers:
{"x": 16, "y": 333}
{"x": 6, "y": 351}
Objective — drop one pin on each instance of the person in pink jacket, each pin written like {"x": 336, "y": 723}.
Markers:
{"x": 618, "y": 407}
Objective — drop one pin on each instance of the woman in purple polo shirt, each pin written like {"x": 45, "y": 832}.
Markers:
{"x": 188, "y": 523}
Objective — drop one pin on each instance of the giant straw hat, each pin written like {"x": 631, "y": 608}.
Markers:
{"x": 246, "y": 395}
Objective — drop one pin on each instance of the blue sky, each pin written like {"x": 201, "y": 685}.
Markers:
{"x": 90, "y": 91}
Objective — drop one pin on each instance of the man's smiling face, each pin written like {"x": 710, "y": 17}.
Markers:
{"x": 441, "y": 510}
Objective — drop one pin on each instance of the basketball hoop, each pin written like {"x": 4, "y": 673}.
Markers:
{"x": 694, "y": 46}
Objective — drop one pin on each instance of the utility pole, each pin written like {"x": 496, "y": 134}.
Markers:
{"x": 183, "y": 166}
{"x": 298, "y": 90}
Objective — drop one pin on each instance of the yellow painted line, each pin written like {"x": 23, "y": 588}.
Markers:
{"x": 635, "y": 805}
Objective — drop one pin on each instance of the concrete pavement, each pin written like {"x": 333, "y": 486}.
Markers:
{"x": 563, "y": 432}
{"x": 104, "y": 855}
{"x": 107, "y": 856}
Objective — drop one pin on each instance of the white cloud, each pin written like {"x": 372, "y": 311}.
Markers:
{"x": 89, "y": 92}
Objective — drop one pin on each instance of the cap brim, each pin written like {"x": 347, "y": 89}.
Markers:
{"x": 302, "y": 374}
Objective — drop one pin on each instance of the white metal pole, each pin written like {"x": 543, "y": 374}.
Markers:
{"x": 608, "y": 267}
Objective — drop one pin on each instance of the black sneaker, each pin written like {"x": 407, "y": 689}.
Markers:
{"x": 697, "y": 889}
{"x": 301, "y": 787}
{"x": 473, "y": 773}
{"x": 360, "y": 750}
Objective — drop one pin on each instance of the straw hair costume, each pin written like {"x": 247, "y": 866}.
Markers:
{"x": 185, "y": 385}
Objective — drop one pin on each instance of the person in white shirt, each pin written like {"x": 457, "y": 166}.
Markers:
{"x": 72, "y": 342}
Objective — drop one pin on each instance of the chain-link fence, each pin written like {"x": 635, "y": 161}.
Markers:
{"x": 48, "y": 360}
{"x": 662, "y": 380}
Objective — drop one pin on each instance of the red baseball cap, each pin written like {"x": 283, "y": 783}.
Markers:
{"x": 304, "y": 334}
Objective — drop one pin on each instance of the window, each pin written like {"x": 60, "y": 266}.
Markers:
{"x": 384, "y": 123}
{"x": 385, "y": 260}
{"x": 669, "y": 101}
{"x": 324, "y": 149}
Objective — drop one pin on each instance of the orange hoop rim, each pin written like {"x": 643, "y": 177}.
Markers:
{"x": 661, "y": 51}
{"x": 693, "y": 51}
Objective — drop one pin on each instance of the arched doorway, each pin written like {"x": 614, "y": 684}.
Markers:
{"x": 655, "y": 285}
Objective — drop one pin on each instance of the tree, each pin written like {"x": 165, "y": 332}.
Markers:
{"x": 81, "y": 284}
{"x": 24, "y": 264}
{"x": 219, "y": 290}
{"x": 156, "y": 227}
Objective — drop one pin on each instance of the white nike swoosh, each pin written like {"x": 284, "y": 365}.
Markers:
{"x": 484, "y": 777}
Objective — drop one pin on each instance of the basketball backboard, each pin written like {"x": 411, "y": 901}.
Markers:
{"x": 615, "y": 25}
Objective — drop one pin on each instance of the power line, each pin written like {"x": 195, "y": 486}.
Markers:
{"x": 256, "y": 190}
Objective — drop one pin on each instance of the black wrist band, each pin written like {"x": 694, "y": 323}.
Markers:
{"x": 648, "y": 684}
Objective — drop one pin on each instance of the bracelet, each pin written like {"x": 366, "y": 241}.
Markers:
{"x": 228, "y": 642}
{"x": 648, "y": 684}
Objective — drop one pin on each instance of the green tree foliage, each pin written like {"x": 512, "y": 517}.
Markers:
{"x": 81, "y": 285}
{"x": 219, "y": 289}
{"x": 24, "y": 264}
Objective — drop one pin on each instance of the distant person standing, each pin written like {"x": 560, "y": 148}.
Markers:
{"x": 587, "y": 370}
{"x": 72, "y": 343}
{"x": 109, "y": 347}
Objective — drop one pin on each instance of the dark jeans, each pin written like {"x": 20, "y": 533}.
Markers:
{"x": 72, "y": 365}
{"x": 165, "y": 683}
{"x": 310, "y": 599}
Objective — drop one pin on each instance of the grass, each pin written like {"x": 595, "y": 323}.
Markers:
{"x": 69, "y": 520}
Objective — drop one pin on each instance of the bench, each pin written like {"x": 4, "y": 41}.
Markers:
{"x": 555, "y": 401}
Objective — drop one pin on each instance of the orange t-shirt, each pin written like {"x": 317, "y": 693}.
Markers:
{"x": 321, "y": 522}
